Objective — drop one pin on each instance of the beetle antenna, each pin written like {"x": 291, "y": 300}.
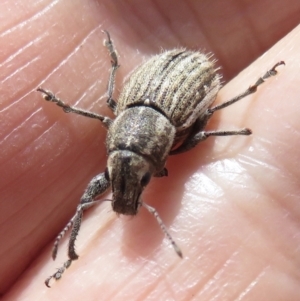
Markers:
{"x": 163, "y": 228}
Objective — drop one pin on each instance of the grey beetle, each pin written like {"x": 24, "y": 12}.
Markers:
{"x": 162, "y": 110}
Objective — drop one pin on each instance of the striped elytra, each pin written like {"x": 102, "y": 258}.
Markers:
{"x": 180, "y": 83}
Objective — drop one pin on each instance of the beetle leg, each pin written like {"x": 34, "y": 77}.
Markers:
{"x": 49, "y": 96}
{"x": 96, "y": 187}
{"x": 203, "y": 135}
{"x": 114, "y": 66}
{"x": 199, "y": 135}
{"x": 250, "y": 90}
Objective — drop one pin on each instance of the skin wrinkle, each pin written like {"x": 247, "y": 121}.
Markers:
{"x": 252, "y": 284}
{"x": 85, "y": 54}
{"x": 217, "y": 46}
{"x": 213, "y": 44}
{"x": 150, "y": 287}
{"x": 16, "y": 129}
{"x": 28, "y": 118}
{"x": 143, "y": 29}
{"x": 110, "y": 219}
{"x": 256, "y": 162}
{"x": 191, "y": 185}
{"x": 216, "y": 268}
{"x": 208, "y": 40}
{"x": 9, "y": 106}
{"x": 228, "y": 259}
{"x": 278, "y": 169}
{"x": 204, "y": 33}
{"x": 74, "y": 51}
{"x": 118, "y": 13}
{"x": 44, "y": 133}
{"x": 170, "y": 290}
{"x": 98, "y": 103}
{"x": 12, "y": 248}
{"x": 171, "y": 268}
{"x": 168, "y": 30}
{"x": 80, "y": 98}
{"x": 20, "y": 51}
{"x": 57, "y": 208}
{"x": 250, "y": 25}
{"x": 296, "y": 221}
{"x": 128, "y": 280}
{"x": 282, "y": 169}
{"x": 57, "y": 67}
{"x": 23, "y": 237}
{"x": 22, "y": 68}
{"x": 232, "y": 181}
{"x": 20, "y": 175}
{"x": 158, "y": 281}
{"x": 294, "y": 216}
{"x": 166, "y": 20}
{"x": 28, "y": 21}
{"x": 211, "y": 277}
{"x": 260, "y": 224}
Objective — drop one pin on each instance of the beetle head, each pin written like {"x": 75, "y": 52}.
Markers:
{"x": 129, "y": 173}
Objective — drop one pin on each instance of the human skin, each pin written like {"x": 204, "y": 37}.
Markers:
{"x": 231, "y": 204}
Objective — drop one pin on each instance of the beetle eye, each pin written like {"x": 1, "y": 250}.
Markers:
{"x": 145, "y": 179}
{"x": 106, "y": 174}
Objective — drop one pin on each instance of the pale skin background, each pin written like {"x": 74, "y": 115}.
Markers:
{"x": 232, "y": 204}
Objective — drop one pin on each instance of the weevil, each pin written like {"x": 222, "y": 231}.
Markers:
{"x": 162, "y": 110}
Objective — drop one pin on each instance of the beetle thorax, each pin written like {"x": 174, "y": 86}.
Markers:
{"x": 144, "y": 131}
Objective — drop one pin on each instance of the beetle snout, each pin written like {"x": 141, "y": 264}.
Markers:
{"x": 126, "y": 206}
{"x": 129, "y": 173}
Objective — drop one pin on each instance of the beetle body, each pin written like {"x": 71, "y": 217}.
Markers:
{"x": 162, "y": 110}
{"x": 157, "y": 108}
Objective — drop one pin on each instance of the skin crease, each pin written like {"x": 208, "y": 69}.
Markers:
{"x": 231, "y": 204}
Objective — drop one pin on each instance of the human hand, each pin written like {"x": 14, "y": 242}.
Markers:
{"x": 232, "y": 204}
